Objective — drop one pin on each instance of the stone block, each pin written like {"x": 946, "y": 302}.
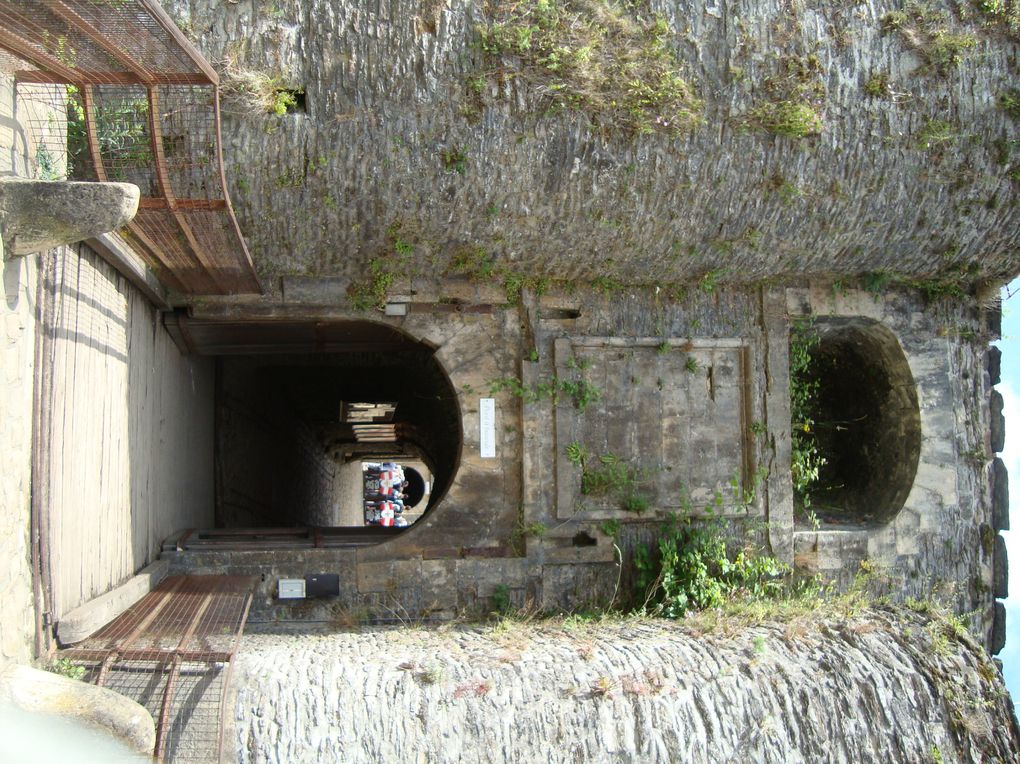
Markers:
{"x": 96, "y": 613}
{"x": 439, "y": 584}
{"x": 102, "y": 710}
{"x": 993, "y": 362}
{"x": 387, "y": 576}
{"x": 998, "y": 638}
{"x": 997, "y": 422}
{"x": 37, "y": 215}
{"x": 484, "y": 576}
{"x": 993, "y": 320}
{"x": 1000, "y": 569}
{"x": 828, "y": 551}
{"x": 1000, "y": 495}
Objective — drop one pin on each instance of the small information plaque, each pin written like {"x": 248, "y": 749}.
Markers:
{"x": 487, "y": 423}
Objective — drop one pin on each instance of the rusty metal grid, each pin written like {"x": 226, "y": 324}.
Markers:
{"x": 111, "y": 90}
{"x": 171, "y": 652}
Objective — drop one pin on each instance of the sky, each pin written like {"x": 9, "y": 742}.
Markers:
{"x": 1010, "y": 389}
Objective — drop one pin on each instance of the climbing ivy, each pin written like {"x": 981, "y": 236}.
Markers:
{"x": 806, "y": 461}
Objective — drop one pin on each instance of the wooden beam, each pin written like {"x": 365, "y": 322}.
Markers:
{"x": 88, "y": 105}
{"x": 163, "y": 272}
{"x": 152, "y": 654}
{"x": 97, "y": 77}
{"x": 163, "y": 721}
{"x": 158, "y": 203}
{"x": 226, "y": 195}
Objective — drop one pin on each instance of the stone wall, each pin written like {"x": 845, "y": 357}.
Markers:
{"x": 17, "y": 377}
{"x": 17, "y": 361}
{"x": 326, "y": 191}
{"x": 125, "y": 440}
{"x": 939, "y": 541}
{"x": 688, "y": 428}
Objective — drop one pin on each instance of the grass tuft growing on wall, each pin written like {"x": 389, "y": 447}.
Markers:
{"x": 610, "y": 60}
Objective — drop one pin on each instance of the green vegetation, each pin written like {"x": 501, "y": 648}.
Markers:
{"x": 46, "y": 166}
{"x": 694, "y": 569}
{"x": 473, "y": 262}
{"x": 935, "y": 135}
{"x": 611, "y": 61}
{"x": 255, "y": 92}
{"x": 382, "y": 272}
{"x": 876, "y": 282}
{"x": 578, "y": 389}
{"x": 787, "y": 191}
{"x": 610, "y": 527}
{"x": 64, "y": 667}
{"x": 455, "y": 160}
{"x": 122, "y": 131}
{"x": 1003, "y": 15}
{"x": 805, "y": 459}
{"x": 710, "y": 280}
{"x": 610, "y": 476}
{"x": 791, "y": 119}
{"x": 607, "y": 285}
{"x": 930, "y": 33}
{"x": 501, "y": 602}
{"x": 950, "y": 284}
{"x": 877, "y": 85}
{"x": 796, "y": 94}
{"x": 1009, "y": 102}
{"x": 691, "y": 365}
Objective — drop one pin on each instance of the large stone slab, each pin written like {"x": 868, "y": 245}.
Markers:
{"x": 96, "y": 708}
{"x": 994, "y": 364}
{"x": 37, "y": 215}
{"x": 1000, "y": 568}
{"x": 997, "y": 422}
{"x": 96, "y": 613}
{"x": 1000, "y": 495}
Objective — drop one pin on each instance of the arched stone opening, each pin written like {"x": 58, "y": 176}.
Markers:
{"x": 298, "y": 424}
{"x": 866, "y": 423}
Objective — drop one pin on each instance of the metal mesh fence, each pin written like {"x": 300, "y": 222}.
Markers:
{"x": 110, "y": 90}
{"x": 171, "y": 653}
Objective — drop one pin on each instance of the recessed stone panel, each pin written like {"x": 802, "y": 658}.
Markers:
{"x": 677, "y": 411}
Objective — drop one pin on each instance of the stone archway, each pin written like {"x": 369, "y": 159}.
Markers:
{"x": 293, "y": 405}
{"x": 866, "y": 420}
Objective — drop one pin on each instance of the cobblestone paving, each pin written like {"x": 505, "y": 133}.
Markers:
{"x": 868, "y": 688}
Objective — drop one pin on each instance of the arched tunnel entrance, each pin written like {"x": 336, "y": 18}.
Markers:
{"x": 310, "y": 419}
{"x": 865, "y": 420}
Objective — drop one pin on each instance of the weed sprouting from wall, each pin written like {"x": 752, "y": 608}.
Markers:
{"x": 931, "y": 33}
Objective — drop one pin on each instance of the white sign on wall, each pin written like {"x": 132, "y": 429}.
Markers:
{"x": 487, "y": 425}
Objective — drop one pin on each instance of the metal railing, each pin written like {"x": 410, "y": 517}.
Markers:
{"x": 111, "y": 90}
